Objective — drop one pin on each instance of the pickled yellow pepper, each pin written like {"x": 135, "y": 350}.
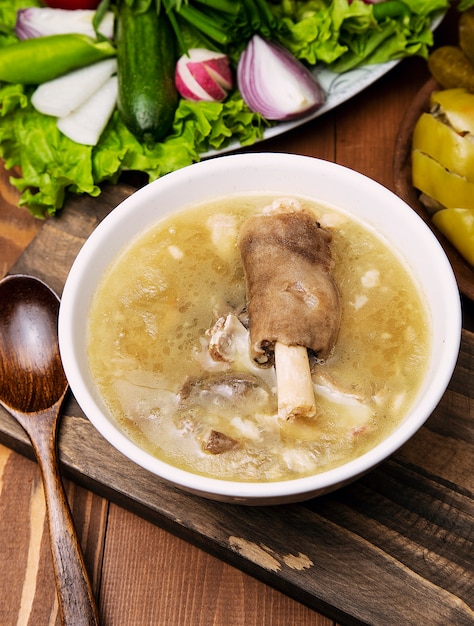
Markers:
{"x": 457, "y": 225}
{"x": 443, "y": 144}
{"x": 434, "y": 180}
{"x": 443, "y": 164}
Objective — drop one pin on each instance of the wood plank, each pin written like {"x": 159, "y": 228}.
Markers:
{"x": 51, "y": 254}
{"x": 402, "y": 531}
{"x": 135, "y": 572}
{"x": 218, "y": 593}
{"x": 17, "y": 226}
{"x": 27, "y": 568}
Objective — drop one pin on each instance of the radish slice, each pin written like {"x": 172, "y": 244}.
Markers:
{"x": 86, "y": 124}
{"x": 61, "y": 96}
{"x": 42, "y": 21}
{"x": 275, "y": 84}
{"x": 203, "y": 75}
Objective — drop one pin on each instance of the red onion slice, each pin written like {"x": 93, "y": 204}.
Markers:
{"x": 275, "y": 84}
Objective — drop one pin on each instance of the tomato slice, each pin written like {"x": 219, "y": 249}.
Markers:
{"x": 72, "y": 4}
{"x": 458, "y": 227}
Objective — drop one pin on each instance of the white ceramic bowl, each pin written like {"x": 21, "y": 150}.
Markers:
{"x": 282, "y": 175}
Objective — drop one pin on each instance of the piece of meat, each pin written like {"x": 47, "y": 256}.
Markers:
{"x": 291, "y": 295}
{"x": 218, "y": 442}
{"x": 292, "y": 300}
{"x": 224, "y": 389}
{"x": 229, "y": 393}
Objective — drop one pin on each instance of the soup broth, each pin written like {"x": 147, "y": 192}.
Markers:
{"x": 148, "y": 348}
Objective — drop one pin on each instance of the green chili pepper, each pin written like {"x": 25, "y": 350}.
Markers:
{"x": 35, "y": 61}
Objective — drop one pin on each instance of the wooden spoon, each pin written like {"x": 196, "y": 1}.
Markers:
{"x": 32, "y": 389}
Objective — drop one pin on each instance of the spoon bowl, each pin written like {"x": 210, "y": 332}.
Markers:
{"x": 32, "y": 389}
{"x": 31, "y": 375}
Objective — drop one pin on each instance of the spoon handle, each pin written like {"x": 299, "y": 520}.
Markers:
{"x": 76, "y": 600}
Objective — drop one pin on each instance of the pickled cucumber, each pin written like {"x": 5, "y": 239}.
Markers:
{"x": 451, "y": 68}
{"x": 466, "y": 34}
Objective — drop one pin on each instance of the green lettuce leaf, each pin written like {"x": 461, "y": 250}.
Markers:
{"x": 312, "y": 28}
{"x": 345, "y": 35}
{"x": 49, "y": 162}
{"x": 52, "y": 165}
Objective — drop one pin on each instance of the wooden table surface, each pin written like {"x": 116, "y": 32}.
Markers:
{"x": 142, "y": 575}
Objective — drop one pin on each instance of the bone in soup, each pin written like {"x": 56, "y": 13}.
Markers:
{"x": 169, "y": 348}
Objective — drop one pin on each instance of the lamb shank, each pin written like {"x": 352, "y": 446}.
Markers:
{"x": 292, "y": 299}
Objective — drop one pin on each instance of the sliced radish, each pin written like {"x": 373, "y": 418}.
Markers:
{"x": 203, "y": 79}
{"x": 86, "y": 124}
{"x": 203, "y": 75}
{"x": 219, "y": 69}
{"x": 65, "y": 94}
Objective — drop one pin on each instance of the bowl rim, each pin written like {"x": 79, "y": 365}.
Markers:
{"x": 253, "y": 491}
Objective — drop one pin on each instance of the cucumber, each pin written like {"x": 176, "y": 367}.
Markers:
{"x": 147, "y": 96}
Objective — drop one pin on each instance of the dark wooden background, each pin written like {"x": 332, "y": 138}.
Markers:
{"x": 395, "y": 547}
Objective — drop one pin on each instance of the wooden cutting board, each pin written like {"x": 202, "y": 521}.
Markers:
{"x": 395, "y": 547}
